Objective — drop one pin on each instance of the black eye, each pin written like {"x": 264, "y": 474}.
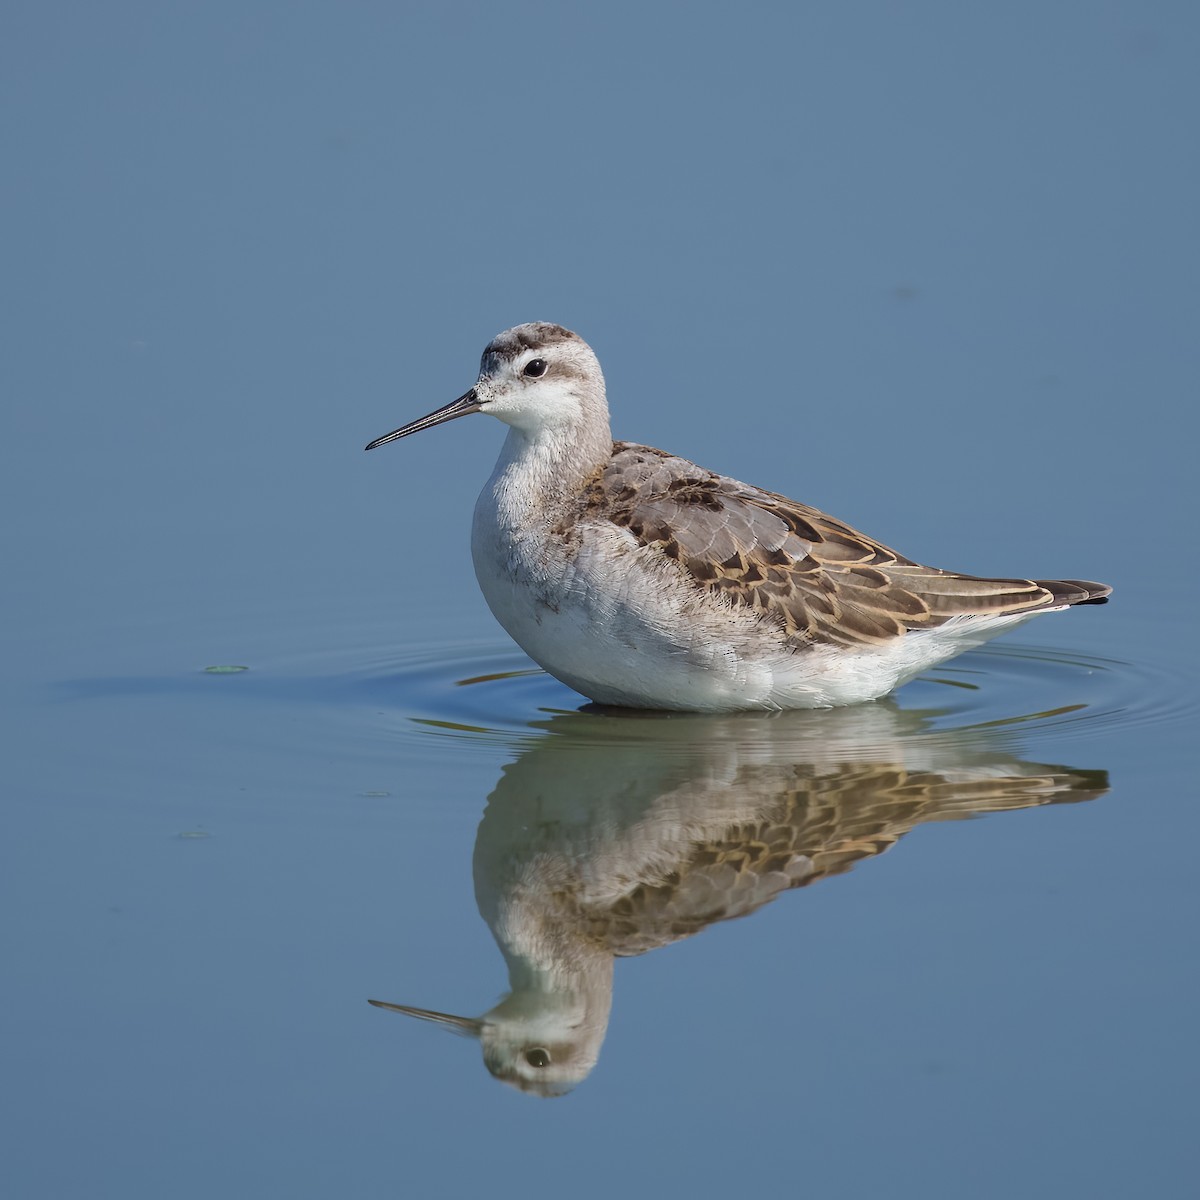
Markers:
{"x": 537, "y": 1057}
{"x": 535, "y": 368}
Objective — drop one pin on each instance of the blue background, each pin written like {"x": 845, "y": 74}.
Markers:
{"x": 931, "y": 266}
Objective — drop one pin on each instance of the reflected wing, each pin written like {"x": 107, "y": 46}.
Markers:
{"x": 820, "y": 827}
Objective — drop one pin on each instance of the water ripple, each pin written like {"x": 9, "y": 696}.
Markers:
{"x": 491, "y": 692}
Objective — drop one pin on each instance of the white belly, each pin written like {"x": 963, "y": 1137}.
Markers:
{"x": 590, "y": 630}
{"x": 622, "y": 626}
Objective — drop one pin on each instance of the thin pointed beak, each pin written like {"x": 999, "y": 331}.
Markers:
{"x": 462, "y": 407}
{"x": 471, "y": 1026}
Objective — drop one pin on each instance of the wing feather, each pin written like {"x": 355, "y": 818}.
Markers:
{"x": 820, "y": 579}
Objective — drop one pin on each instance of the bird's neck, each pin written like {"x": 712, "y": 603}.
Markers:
{"x": 553, "y": 969}
{"x": 543, "y": 471}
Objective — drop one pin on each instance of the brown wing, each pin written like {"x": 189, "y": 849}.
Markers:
{"x": 821, "y": 579}
{"x": 822, "y": 826}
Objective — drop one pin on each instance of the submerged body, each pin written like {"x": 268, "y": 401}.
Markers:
{"x": 640, "y": 579}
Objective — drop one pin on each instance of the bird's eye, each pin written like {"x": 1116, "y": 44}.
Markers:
{"x": 535, "y": 368}
{"x": 537, "y": 1057}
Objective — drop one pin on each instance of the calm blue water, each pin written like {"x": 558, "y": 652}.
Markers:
{"x": 933, "y": 270}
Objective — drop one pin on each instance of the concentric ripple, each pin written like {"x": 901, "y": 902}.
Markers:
{"x": 492, "y": 692}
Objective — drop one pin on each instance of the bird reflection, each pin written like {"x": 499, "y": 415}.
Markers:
{"x": 614, "y": 834}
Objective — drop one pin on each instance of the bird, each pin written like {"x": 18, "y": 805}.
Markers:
{"x": 609, "y": 838}
{"x": 642, "y": 580}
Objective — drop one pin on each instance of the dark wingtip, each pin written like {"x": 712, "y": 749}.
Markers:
{"x": 1076, "y": 591}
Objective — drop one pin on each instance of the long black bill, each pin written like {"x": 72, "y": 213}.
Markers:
{"x": 469, "y": 1026}
{"x": 462, "y": 407}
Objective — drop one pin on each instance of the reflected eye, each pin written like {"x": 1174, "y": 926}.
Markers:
{"x": 535, "y": 368}
{"x": 537, "y": 1057}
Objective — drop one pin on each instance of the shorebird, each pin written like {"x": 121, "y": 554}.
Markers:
{"x": 612, "y": 838}
{"x": 642, "y": 580}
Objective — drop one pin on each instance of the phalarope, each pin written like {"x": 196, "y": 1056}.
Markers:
{"x": 640, "y": 579}
{"x": 609, "y": 839}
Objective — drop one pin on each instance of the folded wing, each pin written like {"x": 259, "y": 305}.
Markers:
{"x": 821, "y": 579}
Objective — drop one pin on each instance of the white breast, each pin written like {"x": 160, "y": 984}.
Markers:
{"x": 620, "y": 623}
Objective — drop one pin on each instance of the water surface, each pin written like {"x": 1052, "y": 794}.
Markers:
{"x": 932, "y": 270}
